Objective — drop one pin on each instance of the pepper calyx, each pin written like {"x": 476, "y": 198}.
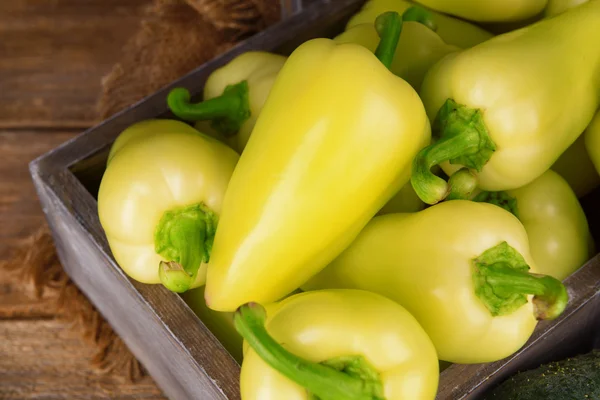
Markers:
{"x": 344, "y": 378}
{"x": 183, "y": 237}
{"x": 502, "y": 283}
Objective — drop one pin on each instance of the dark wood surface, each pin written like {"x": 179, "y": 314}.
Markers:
{"x": 53, "y": 55}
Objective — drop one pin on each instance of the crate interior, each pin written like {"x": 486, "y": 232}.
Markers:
{"x": 90, "y": 169}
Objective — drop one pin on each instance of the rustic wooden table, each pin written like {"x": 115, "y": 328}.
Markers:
{"x": 53, "y": 54}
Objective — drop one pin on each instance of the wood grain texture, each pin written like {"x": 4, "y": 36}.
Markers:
{"x": 20, "y": 210}
{"x": 44, "y": 359}
{"x": 53, "y": 54}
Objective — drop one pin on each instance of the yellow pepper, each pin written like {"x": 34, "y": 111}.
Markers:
{"x": 556, "y": 225}
{"x": 555, "y": 7}
{"x": 462, "y": 269}
{"x": 488, "y": 10}
{"x": 576, "y": 166}
{"x": 500, "y": 110}
{"x": 453, "y": 31}
{"x": 592, "y": 141}
{"x": 419, "y": 47}
{"x": 233, "y": 96}
{"x": 336, "y": 345}
{"x": 160, "y": 198}
{"x": 333, "y": 143}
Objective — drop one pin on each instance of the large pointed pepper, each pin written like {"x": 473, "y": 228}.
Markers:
{"x": 453, "y": 31}
{"x": 463, "y": 269}
{"x": 333, "y": 143}
{"x": 502, "y": 111}
{"x": 335, "y": 345}
{"x": 159, "y": 201}
{"x": 233, "y": 96}
{"x": 558, "y": 232}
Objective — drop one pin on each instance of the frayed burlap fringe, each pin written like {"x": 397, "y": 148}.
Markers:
{"x": 35, "y": 263}
{"x": 173, "y": 39}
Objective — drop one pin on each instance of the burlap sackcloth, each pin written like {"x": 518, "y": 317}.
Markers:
{"x": 175, "y": 36}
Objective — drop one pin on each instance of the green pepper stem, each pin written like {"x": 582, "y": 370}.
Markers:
{"x": 389, "y": 28}
{"x": 227, "y": 111}
{"x": 463, "y": 140}
{"x": 550, "y": 295}
{"x": 462, "y": 185}
{"x": 420, "y": 15}
{"x": 183, "y": 237}
{"x": 502, "y": 282}
{"x": 323, "y": 381}
{"x": 429, "y": 187}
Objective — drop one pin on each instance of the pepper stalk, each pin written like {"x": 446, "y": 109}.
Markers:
{"x": 228, "y": 111}
{"x": 463, "y": 139}
{"x": 502, "y": 282}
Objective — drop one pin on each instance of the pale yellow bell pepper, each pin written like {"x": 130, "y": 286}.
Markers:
{"x": 159, "y": 201}
{"x": 463, "y": 269}
{"x": 509, "y": 107}
{"x": 337, "y": 345}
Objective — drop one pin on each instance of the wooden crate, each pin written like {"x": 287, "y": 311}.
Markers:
{"x": 180, "y": 353}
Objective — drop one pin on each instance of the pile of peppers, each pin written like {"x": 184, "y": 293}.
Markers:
{"x": 351, "y": 217}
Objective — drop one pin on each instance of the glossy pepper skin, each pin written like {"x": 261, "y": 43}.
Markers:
{"x": 500, "y": 111}
{"x": 453, "y": 31}
{"x": 159, "y": 201}
{"x": 488, "y": 10}
{"x": 233, "y": 96}
{"x": 577, "y": 168}
{"x": 556, "y": 226}
{"x": 592, "y": 141}
{"x": 322, "y": 332}
{"x": 419, "y": 48}
{"x": 291, "y": 205}
{"x": 461, "y": 268}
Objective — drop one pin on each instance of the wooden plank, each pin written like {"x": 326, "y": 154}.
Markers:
{"x": 20, "y": 210}
{"x": 44, "y": 359}
{"x": 53, "y": 55}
